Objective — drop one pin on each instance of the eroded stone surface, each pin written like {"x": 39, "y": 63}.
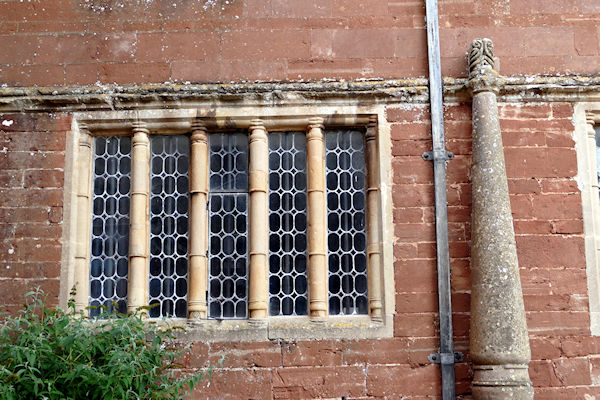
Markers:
{"x": 499, "y": 341}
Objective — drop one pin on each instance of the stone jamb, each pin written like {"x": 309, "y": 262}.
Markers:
{"x": 82, "y": 190}
{"x": 374, "y": 236}
{"x": 69, "y": 224}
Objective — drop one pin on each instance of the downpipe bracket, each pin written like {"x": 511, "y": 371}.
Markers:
{"x": 446, "y": 358}
{"x": 438, "y": 155}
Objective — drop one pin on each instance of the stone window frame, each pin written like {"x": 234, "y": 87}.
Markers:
{"x": 586, "y": 118}
{"x": 85, "y": 125}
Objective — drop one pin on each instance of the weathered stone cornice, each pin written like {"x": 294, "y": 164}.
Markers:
{"x": 549, "y": 88}
{"x": 117, "y": 97}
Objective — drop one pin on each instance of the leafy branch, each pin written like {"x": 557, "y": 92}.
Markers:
{"x": 48, "y": 353}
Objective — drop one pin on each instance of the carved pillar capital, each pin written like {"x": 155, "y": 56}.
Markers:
{"x": 139, "y": 126}
{"x": 315, "y": 123}
{"x": 590, "y": 122}
{"x": 258, "y": 131}
{"x": 371, "y": 133}
{"x": 83, "y": 127}
{"x": 85, "y": 138}
{"x": 482, "y": 75}
{"x": 199, "y": 132}
{"x": 257, "y": 124}
{"x": 315, "y": 129}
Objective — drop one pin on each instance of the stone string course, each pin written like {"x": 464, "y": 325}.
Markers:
{"x": 388, "y": 91}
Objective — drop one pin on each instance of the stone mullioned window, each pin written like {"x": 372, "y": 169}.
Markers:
{"x": 234, "y": 219}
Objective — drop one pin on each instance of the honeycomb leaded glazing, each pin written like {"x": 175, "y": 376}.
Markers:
{"x": 288, "y": 284}
{"x": 169, "y": 226}
{"x": 228, "y": 226}
{"x": 110, "y": 224}
{"x": 228, "y": 162}
{"x": 345, "y": 166}
{"x": 228, "y": 220}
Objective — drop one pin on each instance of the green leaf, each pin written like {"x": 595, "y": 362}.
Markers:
{"x": 48, "y": 353}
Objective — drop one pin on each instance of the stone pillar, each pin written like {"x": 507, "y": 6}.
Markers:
{"x": 138, "y": 212}
{"x": 317, "y": 220}
{"x": 82, "y": 241}
{"x": 198, "y": 279}
{"x": 373, "y": 222}
{"x": 258, "y": 188}
{"x": 499, "y": 343}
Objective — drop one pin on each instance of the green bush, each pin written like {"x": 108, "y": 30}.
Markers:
{"x": 55, "y": 354}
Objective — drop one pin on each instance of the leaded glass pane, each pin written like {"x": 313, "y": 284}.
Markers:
{"x": 169, "y": 226}
{"x": 228, "y": 226}
{"x": 228, "y": 256}
{"x": 109, "y": 258}
{"x": 346, "y": 193}
{"x": 228, "y": 162}
{"x": 288, "y": 286}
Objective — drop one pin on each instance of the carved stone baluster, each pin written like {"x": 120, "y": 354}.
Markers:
{"x": 198, "y": 279}
{"x": 498, "y": 336}
{"x": 139, "y": 224}
{"x": 317, "y": 219}
{"x": 259, "y": 220}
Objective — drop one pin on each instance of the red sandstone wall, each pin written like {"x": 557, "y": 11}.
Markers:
{"x": 541, "y": 164}
{"x": 54, "y": 42}
{"x": 32, "y": 158}
{"x": 77, "y": 42}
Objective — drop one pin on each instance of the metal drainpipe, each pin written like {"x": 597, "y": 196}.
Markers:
{"x": 446, "y": 356}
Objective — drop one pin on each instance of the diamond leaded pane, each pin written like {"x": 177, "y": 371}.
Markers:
{"x": 228, "y": 162}
{"x": 228, "y": 226}
{"x": 288, "y": 286}
{"x": 345, "y": 168}
{"x": 228, "y": 255}
{"x": 168, "y": 287}
{"x": 109, "y": 258}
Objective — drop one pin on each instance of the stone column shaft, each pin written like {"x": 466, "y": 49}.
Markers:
{"x": 198, "y": 278}
{"x": 259, "y": 220}
{"x": 499, "y": 343}
{"x": 317, "y": 220}
{"x": 139, "y": 224}
{"x": 373, "y": 223}
{"x": 82, "y": 244}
